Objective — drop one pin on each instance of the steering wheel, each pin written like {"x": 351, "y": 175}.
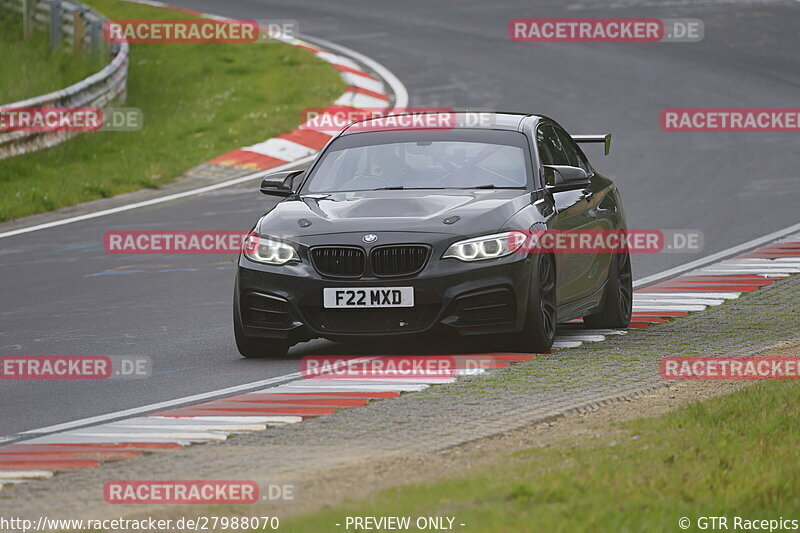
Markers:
{"x": 356, "y": 182}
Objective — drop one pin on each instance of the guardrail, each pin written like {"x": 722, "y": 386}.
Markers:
{"x": 80, "y": 28}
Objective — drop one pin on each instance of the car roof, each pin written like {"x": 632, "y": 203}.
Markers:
{"x": 486, "y": 120}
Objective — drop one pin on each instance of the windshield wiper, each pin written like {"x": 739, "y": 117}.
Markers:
{"x": 401, "y": 188}
{"x": 490, "y": 186}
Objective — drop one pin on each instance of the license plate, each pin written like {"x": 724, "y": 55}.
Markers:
{"x": 367, "y": 297}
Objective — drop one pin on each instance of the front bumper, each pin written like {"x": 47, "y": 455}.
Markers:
{"x": 470, "y": 298}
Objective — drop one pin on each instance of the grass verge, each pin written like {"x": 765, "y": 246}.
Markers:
{"x": 198, "y": 100}
{"x": 34, "y": 69}
{"x": 735, "y": 455}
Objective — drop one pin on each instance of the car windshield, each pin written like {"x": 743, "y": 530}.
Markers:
{"x": 422, "y": 160}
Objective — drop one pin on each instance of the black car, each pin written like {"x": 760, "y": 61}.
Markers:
{"x": 401, "y": 231}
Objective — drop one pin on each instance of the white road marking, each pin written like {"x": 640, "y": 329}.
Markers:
{"x": 747, "y": 261}
{"x": 343, "y": 386}
{"x": 338, "y": 60}
{"x": 561, "y": 344}
{"x": 581, "y": 330}
{"x": 371, "y": 381}
{"x": 667, "y": 307}
{"x": 12, "y": 482}
{"x": 759, "y": 264}
{"x": 604, "y": 331}
{"x": 154, "y": 433}
{"x": 186, "y": 423}
{"x": 709, "y": 272}
{"x": 281, "y": 149}
{"x": 11, "y": 475}
{"x": 712, "y": 295}
{"x": 568, "y": 336}
{"x": 120, "y": 435}
{"x": 469, "y": 371}
{"x": 365, "y": 83}
{"x": 268, "y": 420}
{"x": 69, "y": 438}
{"x": 760, "y": 271}
{"x": 679, "y": 301}
{"x": 762, "y": 260}
{"x": 354, "y": 99}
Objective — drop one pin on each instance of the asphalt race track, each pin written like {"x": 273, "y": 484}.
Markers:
{"x": 60, "y": 293}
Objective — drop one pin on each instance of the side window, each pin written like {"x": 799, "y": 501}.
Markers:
{"x": 551, "y": 151}
{"x": 574, "y": 153}
{"x": 583, "y": 161}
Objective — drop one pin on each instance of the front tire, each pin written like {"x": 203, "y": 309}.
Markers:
{"x": 256, "y": 347}
{"x": 617, "y": 303}
{"x": 539, "y": 330}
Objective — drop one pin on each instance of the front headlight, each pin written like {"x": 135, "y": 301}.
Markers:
{"x": 268, "y": 251}
{"x": 487, "y": 247}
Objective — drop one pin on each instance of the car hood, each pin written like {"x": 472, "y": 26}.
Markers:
{"x": 407, "y": 211}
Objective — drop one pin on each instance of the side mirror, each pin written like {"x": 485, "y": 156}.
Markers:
{"x": 280, "y": 183}
{"x": 561, "y": 177}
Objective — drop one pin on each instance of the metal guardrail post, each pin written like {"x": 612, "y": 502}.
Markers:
{"x": 55, "y": 24}
{"x": 78, "y": 31}
{"x": 28, "y": 11}
{"x": 95, "y": 41}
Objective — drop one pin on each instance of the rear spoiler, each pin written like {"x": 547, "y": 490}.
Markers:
{"x": 605, "y": 139}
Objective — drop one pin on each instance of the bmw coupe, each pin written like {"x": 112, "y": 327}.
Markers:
{"x": 394, "y": 231}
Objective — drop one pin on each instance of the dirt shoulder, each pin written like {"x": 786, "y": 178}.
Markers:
{"x": 329, "y": 487}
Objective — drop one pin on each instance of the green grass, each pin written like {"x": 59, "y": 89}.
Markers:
{"x": 30, "y": 68}
{"x": 736, "y": 455}
{"x": 198, "y": 100}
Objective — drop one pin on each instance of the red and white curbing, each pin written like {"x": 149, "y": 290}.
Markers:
{"x": 715, "y": 283}
{"x": 363, "y": 91}
{"x": 215, "y": 420}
